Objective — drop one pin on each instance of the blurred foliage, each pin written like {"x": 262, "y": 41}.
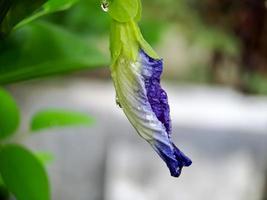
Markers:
{"x": 30, "y": 49}
{"x": 43, "y": 49}
{"x": 13, "y": 11}
{"x": 23, "y": 174}
{"x": 67, "y": 41}
{"x": 57, "y": 118}
{"x": 9, "y": 117}
{"x": 185, "y": 15}
{"x": 47, "y": 8}
{"x": 232, "y": 31}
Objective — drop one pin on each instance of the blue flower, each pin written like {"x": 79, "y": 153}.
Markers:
{"x": 136, "y": 70}
{"x": 139, "y": 93}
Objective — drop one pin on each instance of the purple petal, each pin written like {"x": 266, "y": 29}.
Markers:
{"x": 158, "y": 100}
{"x": 157, "y": 97}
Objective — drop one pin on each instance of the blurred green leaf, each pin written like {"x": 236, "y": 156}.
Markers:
{"x": 50, "y": 6}
{"x": 45, "y": 157}
{"x": 9, "y": 115}
{"x": 59, "y": 118}
{"x": 41, "y": 49}
{"x": 12, "y": 12}
{"x": 23, "y": 173}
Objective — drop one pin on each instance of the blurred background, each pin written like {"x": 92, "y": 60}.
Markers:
{"x": 215, "y": 55}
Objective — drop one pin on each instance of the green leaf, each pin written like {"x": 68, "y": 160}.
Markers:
{"x": 41, "y": 49}
{"x": 23, "y": 174}
{"x": 49, "y": 7}
{"x": 59, "y": 118}
{"x": 9, "y": 115}
{"x": 123, "y": 10}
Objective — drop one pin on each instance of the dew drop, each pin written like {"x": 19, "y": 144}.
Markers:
{"x": 105, "y": 5}
{"x": 149, "y": 117}
{"x": 118, "y": 102}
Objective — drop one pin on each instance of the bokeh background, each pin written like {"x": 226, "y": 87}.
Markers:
{"x": 215, "y": 54}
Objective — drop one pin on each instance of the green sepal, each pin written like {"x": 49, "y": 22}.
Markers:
{"x": 123, "y": 41}
{"x": 126, "y": 40}
{"x": 115, "y": 42}
{"x": 123, "y": 10}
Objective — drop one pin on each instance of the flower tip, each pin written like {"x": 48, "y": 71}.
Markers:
{"x": 173, "y": 157}
{"x": 177, "y": 170}
{"x": 181, "y": 161}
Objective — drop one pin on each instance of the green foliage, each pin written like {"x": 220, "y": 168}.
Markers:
{"x": 9, "y": 117}
{"x": 59, "y": 118}
{"x": 17, "y": 13}
{"x": 14, "y": 11}
{"x": 30, "y": 49}
{"x": 44, "y": 49}
{"x": 23, "y": 173}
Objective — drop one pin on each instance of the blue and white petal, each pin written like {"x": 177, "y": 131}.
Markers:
{"x": 145, "y": 104}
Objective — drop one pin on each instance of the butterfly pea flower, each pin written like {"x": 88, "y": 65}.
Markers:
{"x": 136, "y": 71}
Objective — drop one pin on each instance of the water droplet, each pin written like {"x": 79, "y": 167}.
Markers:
{"x": 118, "y": 102}
{"x": 149, "y": 117}
{"x": 147, "y": 72}
{"x": 105, "y": 5}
